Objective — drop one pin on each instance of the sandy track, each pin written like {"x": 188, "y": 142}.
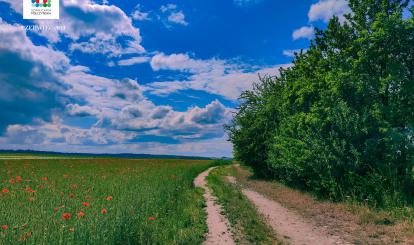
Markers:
{"x": 218, "y": 225}
{"x": 288, "y": 225}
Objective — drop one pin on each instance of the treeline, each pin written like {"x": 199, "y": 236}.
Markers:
{"x": 339, "y": 122}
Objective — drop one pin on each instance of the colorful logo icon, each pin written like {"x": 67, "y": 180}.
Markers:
{"x": 42, "y": 3}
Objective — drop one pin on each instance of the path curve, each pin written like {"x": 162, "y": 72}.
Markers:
{"x": 218, "y": 225}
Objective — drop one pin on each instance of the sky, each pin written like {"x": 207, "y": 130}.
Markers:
{"x": 148, "y": 76}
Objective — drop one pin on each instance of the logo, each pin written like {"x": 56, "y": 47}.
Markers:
{"x": 44, "y": 3}
{"x": 41, "y": 9}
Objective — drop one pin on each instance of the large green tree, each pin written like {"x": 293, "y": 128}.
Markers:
{"x": 339, "y": 122}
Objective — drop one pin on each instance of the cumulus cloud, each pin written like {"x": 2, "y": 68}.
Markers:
{"x": 140, "y": 15}
{"x": 183, "y": 62}
{"x": 177, "y": 18}
{"x": 303, "y": 32}
{"x": 40, "y": 87}
{"x": 326, "y": 9}
{"x": 213, "y": 76}
{"x": 100, "y": 25}
{"x": 29, "y": 79}
{"x": 174, "y": 15}
{"x": 133, "y": 61}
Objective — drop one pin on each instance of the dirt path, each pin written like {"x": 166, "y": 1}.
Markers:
{"x": 218, "y": 225}
{"x": 288, "y": 225}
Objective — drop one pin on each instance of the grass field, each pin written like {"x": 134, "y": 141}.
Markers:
{"x": 101, "y": 201}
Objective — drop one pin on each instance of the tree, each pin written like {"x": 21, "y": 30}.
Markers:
{"x": 339, "y": 122}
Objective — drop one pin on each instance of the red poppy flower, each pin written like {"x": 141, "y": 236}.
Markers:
{"x": 66, "y": 216}
{"x": 44, "y": 178}
{"x": 81, "y": 214}
{"x": 28, "y": 188}
{"x": 85, "y": 204}
{"x": 104, "y": 211}
{"x": 12, "y": 181}
{"x": 72, "y": 195}
{"x": 19, "y": 179}
{"x": 4, "y": 227}
{"x": 151, "y": 218}
{"x": 5, "y": 191}
{"x": 109, "y": 198}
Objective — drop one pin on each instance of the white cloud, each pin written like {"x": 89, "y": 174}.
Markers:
{"x": 101, "y": 25}
{"x": 303, "y": 32}
{"x": 174, "y": 15}
{"x": 326, "y": 9}
{"x": 168, "y": 7}
{"x": 183, "y": 62}
{"x": 177, "y": 18}
{"x": 122, "y": 111}
{"x": 213, "y": 76}
{"x": 133, "y": 61}
{"x": 140, "y": 15}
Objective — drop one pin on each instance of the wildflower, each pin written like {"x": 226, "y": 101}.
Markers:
{"x": 85, "y": 204}
{"x": 66, "y": 216}
{"x": 12, "y": 181}
{"x": 88, "y": 197}
{"x": 4, "y": 227}
{"x": 109, "y": 198}
{"x": 71, "y": 195}
{"x": 44, "y": 178}
{"x": 151, "y": 218}
{"x": 28, "y": 189}
{"x": 81, "y": 214}
{"x": 5, "y": 191}
{"x": 104, "y": 211}
{"x": 19, "y": 179}
{"x": 74, "y": 186}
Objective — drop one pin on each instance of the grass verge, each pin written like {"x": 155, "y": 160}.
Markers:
{"x": 248, "y": 226}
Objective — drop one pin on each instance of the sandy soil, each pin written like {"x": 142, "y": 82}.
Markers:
{"x": 218, "y": 225}
{"x": 289, "y": 226}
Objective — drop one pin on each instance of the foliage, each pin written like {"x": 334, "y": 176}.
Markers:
{"x": 339, "y": 122}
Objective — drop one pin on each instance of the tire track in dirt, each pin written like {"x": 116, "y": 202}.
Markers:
{"x": 290, "y": 227}
{"x": 218, "y": 225}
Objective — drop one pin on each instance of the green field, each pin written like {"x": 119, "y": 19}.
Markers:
{"x": 101, "y": 201}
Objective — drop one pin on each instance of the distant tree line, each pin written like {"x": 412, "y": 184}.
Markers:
{"x": 339, "y": 122}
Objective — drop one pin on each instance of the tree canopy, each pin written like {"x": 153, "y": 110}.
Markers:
{"x": 339, "y": 121}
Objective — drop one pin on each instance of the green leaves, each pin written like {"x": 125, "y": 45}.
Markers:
{"x": 340, "y": 121}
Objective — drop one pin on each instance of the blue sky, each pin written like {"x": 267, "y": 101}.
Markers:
{"x": 147, "y": 76}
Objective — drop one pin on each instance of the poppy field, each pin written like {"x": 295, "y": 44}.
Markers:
{"x": 101, "y": 201}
